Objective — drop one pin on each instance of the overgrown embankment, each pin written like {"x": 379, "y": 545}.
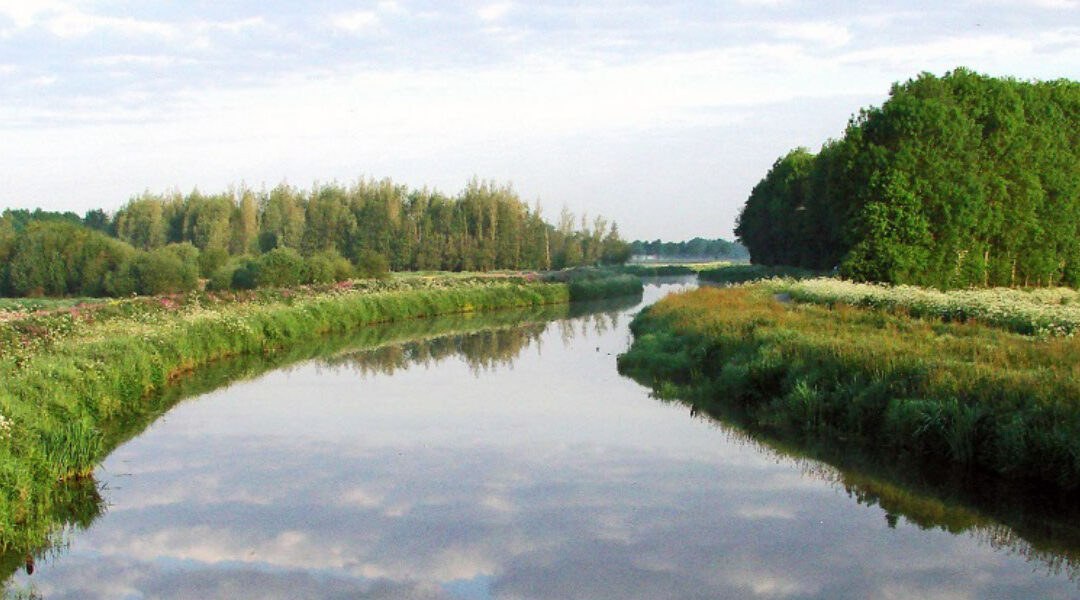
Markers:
{"x": 65, "y": 373}
{"x": 733, "y": 274}
{"x": 658, "y": 270}
{"x": 963, "y": 395}
{"x": 594, "y": 284}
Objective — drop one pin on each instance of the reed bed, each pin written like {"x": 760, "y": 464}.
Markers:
{"x": 959, "y": 393}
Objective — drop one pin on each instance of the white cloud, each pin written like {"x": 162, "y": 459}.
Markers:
{"x": 360, "y": 21}
{"x": 25, "y": 13}
{"x": 494, "y": 12}
{"x": 972, "y": 50}
{"x": 155, "y": 60}
{"x": 42, "y": 81}
{"x": 238, "y": 26}
{"x": 68, "y": 23}
{"x": 827, "y": 34}
{"x": 391, "y": 7}
{"x": 1055, "y": 4}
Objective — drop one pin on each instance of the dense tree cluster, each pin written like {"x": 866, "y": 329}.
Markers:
{"x": 960, "y": 180}
{"x": 244, "y": 238}
{"x": 695, "y": 248}
{"x": 485, "y": 227}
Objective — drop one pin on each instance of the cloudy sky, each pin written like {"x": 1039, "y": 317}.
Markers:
{"x": 660, "y": 116}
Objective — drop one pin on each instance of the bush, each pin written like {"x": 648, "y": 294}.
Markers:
{"x": 245, "y": 276}
{"x": 212, "y": 260}
{"x": 162, "y": 271}
{"x": 223, "y": 278}
{"x": 58, "y": 259}
{"x": 280, "y": 267}
{"x": 328, "y": 266}
{"x": 372, "y": 265}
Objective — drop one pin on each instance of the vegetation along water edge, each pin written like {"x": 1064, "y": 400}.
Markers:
{"x": 482, "y": 338}
{"x": 974, "y": 396}
{"x": 1039, "y": 525}
{"x": 64, "y": 373}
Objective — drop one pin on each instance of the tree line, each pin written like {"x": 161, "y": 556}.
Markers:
{"x": 694, "y": 248}
{"x": 243, "y": 238}
{"x": 955, "y": 181}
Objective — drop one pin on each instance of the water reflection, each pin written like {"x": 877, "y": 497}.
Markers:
{"x": 1038, "y": 525}
{"x": 484, "y": 339}
{"x": 504, "y": 462}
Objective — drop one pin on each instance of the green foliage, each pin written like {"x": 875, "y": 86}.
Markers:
{"x": 967, "y": 396}
{"x": 486, "y": 226}
{"x": 299, "y": 236}
{"x": 211, "y": 260}
{"x": 280, "y": 267}
{"x": 586, "y": 283}
{"x": 658, "y": 270}
{"x": 955, "y": 181}
{"x": 59, "y": 259}
{"x": 733, "y": 274}
{"x": 72, "y": 449}
{"x": 66, "y": 375}
{"x": 164, "y": 270}
{"x": 372, "y": 265}
{"x": 328, "y": 266}
{"x": 222, "y": 278}
{"x": 694, "y": 249}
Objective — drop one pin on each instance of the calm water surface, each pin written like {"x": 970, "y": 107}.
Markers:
{"x": 511, "y": 462}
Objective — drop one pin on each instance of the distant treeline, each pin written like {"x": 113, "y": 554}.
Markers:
{"x": 246, "y": 238}
{"x": 695, "y": 248}
{"x": 961, "y": 180}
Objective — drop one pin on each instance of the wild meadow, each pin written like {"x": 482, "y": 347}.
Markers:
{"x": 962, "y": 395}
{"x": 1033, "y": 311}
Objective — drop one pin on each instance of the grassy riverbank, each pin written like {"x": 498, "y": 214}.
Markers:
{"x": 962, "y": 395}
{"x": 66, "y": 372}
{"x": 733, "y": 274}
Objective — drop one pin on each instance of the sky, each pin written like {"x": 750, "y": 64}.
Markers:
{"x": 660, "y": 116}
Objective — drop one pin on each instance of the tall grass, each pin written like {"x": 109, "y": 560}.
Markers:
{"x": 65, "y": 374}
{"x": 586, "y": 283}
{"x": 958, "y": 394}
{"x": 658, "y": 270}
{"x": 732, "y": 274}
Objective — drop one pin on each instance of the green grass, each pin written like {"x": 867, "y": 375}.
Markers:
{"x": 658, "y": 270}
{"x": 959, "y": 395}
{"x": 733, "y": 274}
{"x": 65, "y": 375}
{"x": 588, "y": 283}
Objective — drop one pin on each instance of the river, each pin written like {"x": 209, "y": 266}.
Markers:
{"x": 504, "y": 457}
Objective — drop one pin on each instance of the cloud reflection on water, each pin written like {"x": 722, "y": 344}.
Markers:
{"x": 656, "y": 527}
{"x": 546, "y": 477}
